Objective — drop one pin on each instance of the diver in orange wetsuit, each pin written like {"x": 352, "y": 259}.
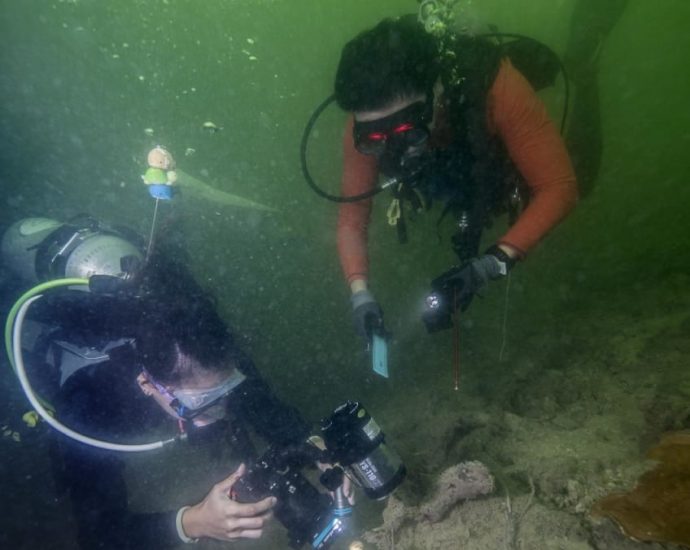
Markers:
{"x": 452, "y": 121}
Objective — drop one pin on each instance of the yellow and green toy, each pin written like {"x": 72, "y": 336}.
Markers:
{"x": 160, "y": 175}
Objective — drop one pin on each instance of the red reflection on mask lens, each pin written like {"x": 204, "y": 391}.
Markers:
{"x": 406, "y": 126}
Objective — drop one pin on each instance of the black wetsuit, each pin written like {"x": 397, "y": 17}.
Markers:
{"x": 101, "y": 398}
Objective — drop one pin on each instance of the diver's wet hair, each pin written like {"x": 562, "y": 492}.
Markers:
{"x": 180, "y": 332}
{"x": 395, "y": 59}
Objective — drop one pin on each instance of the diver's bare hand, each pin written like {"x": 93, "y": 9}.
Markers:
{"x": 219, "y": 517}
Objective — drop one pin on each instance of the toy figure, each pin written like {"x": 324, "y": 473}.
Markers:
{"x": 160, "y": 175}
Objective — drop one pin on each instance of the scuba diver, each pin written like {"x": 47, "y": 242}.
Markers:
{"x": 455, "y": 119}
{"x": 451, "y": 120}
{"x": 114, "y": 361}
{"x": 122, "y": 348}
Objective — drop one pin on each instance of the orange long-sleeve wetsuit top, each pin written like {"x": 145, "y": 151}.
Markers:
{"x": 519, "y": 118}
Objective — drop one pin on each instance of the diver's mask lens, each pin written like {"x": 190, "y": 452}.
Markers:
{"x": 190, "y": 403}
{"x": 400, "y": 131}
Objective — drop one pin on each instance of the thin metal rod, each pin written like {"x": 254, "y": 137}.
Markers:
{"x": 153, "y": 229}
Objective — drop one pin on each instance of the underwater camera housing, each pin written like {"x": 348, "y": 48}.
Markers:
{"x": 306, "y": 513}
{"x": 354, "y": 440}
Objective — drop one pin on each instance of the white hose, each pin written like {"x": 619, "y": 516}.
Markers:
{"x": 40, "y": 409}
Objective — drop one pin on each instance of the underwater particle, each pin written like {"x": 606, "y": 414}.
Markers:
{"x": 148, "y": 131}
{"x": 16, "y": 436}
{"x": 116, "y": 56}
{"x": 253, "y": 58}
{"x": 211, "y": 127}
{"x": 189, "y": 151}
{"x": 6, "y": 432}
{"x": 356, "y": 545}
{"x": 141, "y": 77}
{"x": 250, "y": 40}
{"x": 31, "y": 418}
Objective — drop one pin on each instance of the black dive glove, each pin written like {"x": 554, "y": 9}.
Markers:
{"x": 456, "y": 287}
{"x": 465, "y": 281}
{"x": 368, "y": 316}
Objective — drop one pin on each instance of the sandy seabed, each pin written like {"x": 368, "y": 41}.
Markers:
{"x": 566, "y": 425}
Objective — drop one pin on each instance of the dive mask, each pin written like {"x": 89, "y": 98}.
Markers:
{"x": 190, "y": 403}
{"x": 397, "y": 132}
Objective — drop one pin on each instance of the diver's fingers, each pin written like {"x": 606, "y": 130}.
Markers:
{"x": 249, "y": 527}
{"x": 245, "y": 534}
{"x": 253, "y": 509}
{"x": 225, "y": 485}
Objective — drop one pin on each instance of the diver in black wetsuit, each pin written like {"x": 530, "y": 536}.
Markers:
{"x": 113, "y": 365}
{"x": 129, "y": 348}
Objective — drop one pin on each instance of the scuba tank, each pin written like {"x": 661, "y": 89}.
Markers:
{"x": 41, "y": 249}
